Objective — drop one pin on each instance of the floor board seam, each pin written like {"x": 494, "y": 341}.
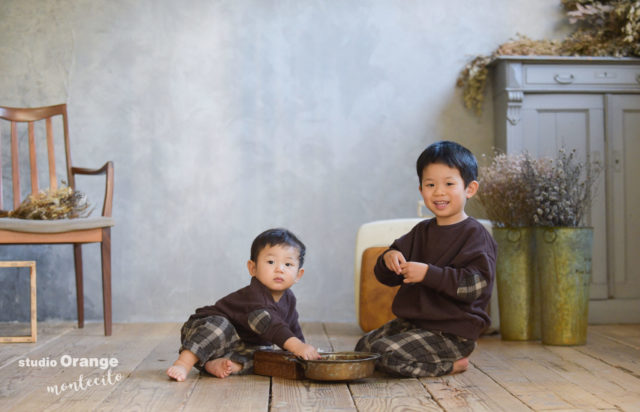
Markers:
{"x": 616, "y": 340}
{"x": 606, "y": 362}
{"x": 502, "y": 386}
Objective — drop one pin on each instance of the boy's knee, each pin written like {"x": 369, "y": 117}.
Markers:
{"x": 362, "y": 345}
{"x": 220, "y": 326}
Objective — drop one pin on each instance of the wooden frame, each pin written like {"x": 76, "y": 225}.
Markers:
{"x": 34, "y": 311}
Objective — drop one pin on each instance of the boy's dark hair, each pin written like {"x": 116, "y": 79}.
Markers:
{"x": 451, "y": 154}
{"x": 278, "y": 236}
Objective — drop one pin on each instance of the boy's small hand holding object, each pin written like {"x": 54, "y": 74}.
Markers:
{"x": 413, "y": 272}
{"x": 393, "y": 259}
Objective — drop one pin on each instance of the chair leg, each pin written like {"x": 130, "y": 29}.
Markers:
{"x": 77, "y": 254}
{"x": 105, "y": 247}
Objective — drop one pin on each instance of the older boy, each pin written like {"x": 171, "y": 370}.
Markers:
{"x": 446, "y": 268}
{"x": 222, "y": 338}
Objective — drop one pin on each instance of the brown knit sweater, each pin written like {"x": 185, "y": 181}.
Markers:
{"x": 454, "y": 294}
{"x": 258, "y": 319}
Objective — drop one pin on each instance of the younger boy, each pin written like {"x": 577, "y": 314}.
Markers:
{"x": 222, "y": 338}
{"x": 446, "y": 268}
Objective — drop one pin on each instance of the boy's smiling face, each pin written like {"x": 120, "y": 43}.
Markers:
{"x": 444, "y": 194}
{"x": 277, "y": 267}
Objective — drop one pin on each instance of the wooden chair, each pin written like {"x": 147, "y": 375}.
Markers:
{"x": 63, "y": 231}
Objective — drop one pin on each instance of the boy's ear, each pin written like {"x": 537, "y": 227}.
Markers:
{"x": 472, "y": 189}
{"x": 251, "y": 265}
{"x": 299, "y": 275}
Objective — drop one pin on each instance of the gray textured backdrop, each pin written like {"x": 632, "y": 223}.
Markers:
{"x": 224, "y": 118}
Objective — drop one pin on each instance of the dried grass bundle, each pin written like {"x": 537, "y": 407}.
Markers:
{"x": 603, "y": 28}
{"x": 63, "y": 203}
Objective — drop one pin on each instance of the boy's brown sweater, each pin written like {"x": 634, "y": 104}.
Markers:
{"x": 247, "y": 305}
{"x": 455, "y": 293}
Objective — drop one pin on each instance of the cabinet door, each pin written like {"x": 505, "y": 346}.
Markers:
{"x": 623, "y": 132}
{"x": 550, "y": 122}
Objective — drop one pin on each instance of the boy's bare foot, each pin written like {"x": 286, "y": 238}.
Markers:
{"x": 460, "y": 365}
{"x": 181, "y": 367}
{"x": 179, "y": 370}
{"x": 222, "y": 367}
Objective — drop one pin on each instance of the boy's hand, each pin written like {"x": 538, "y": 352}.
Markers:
{"x": 307, "y": 352}
{"x": 413, "y": 272}
{"x": 301, "y": 349}
{"x": 393, "y": 259}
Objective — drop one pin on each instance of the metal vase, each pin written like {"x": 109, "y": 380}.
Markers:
{"x": 564, "y": 266}
{"x": 518, "y": 285}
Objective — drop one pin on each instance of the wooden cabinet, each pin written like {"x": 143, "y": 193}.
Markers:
{"x": 592, "y": 105}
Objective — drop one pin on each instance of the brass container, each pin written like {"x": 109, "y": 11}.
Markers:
{"x": 340, "y": 366}
{"x": 518, "y": 285}
{"x": 564, "y": 265}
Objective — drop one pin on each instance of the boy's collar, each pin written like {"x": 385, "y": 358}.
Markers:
{"x": 435, "y": 220}
{"x": 262, "y": 286}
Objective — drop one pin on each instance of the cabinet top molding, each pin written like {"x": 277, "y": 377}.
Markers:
{"x": 558, "y": 74}
{"x": 566, "y": 60}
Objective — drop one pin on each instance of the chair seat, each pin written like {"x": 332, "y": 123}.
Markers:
{"x": 55, "y": 226}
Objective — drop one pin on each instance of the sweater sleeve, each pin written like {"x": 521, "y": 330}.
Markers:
{"x": 469, "y": 275}
{"x": 275, "y": 325}
{"x": 403, "y": 245}
{"x": 269, "y": 326}
{"x": 295, "y": 328}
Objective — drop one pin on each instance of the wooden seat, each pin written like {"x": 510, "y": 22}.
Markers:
{"x": 26, "y": 124}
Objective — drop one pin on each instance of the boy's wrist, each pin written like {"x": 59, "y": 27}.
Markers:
{"x": 292, "y": 344}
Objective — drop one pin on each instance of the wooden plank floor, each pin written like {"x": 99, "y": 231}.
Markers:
{"x": 503, "y": 376}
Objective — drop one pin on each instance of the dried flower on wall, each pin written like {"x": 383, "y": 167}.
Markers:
{"x": 603, "y": 28}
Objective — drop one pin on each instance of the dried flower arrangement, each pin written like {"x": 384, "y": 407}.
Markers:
{"x": 506, "y": 190}
{"x": 520, "y": 191}
{"x": 603, "y": 28}
{"x": 63, "y": 203}
{"x": 563, "y": 190}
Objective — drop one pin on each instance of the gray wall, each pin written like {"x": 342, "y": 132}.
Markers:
{"x": 224, "y": 118}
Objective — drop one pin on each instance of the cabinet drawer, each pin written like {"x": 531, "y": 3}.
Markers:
{"x": 536, "y": 75}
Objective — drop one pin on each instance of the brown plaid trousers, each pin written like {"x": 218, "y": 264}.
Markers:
{"x": 410, "y": 351}
{"x": 215, "y": 337}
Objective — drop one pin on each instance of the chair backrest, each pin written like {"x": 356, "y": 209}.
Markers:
{"x": 36, "y": 125}
{"x": 380, "y": 233}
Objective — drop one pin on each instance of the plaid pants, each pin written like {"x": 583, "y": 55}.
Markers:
{"x": 410, "y": 351}
{"x": 215, "y": 337}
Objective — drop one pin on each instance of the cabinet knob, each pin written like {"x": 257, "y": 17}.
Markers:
{"x": 564, "y": 79}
